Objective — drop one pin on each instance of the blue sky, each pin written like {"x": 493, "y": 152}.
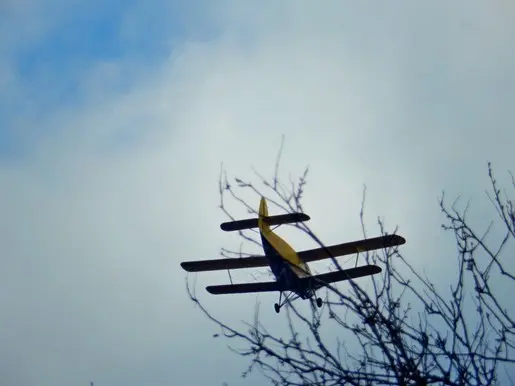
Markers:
{"x": 49, "y": 68}
{"x": 114, "y": 121}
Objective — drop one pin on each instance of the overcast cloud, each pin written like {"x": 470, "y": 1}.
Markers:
{"x": 115, "y": 122}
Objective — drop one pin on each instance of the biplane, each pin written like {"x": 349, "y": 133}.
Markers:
{"x": 289, "y": 267}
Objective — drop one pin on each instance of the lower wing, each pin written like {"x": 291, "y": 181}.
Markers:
{"x": 314, "y": 282}
{"x": 323, "y": 279}
{"x": 270, "y": 286}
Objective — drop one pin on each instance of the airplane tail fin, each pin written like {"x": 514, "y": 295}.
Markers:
{"x": 263, "y": 213}
{"x": 277, "y": 244}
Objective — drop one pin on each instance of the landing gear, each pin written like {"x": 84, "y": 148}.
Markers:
{"x": 277, "y": 306}
{"x": 287, "y": 298}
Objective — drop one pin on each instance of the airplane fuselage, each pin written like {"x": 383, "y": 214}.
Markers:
{"x": 284, "y": 262}
{"x": 284, "y": 273}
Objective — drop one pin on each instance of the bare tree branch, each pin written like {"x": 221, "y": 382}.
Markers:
{"x": 400, "y": 329}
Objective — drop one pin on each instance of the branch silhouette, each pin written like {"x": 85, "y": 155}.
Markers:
{"x": 399, "y": 328}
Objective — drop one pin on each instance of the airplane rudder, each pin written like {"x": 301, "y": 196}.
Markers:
{"x": 263, "y": 208}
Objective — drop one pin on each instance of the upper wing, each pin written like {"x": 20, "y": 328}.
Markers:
{"x": 220, "y": 264}
{"x": 318, "y": 281}
{"x": 352, "y": 247}
{"x": 269, "y": 286}
{"x": 306, "y": 256}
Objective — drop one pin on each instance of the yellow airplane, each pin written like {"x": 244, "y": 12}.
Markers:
{"x": 288, "y": 266}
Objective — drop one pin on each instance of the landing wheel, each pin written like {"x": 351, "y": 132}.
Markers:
{"x": 277, "y": 308}
{"x": 319, "y": 302}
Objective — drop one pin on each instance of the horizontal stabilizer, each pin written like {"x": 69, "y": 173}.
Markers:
{"x": 271, "y": 220}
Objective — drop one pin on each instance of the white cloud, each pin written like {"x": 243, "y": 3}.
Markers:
{"x": 405, "y": 100}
